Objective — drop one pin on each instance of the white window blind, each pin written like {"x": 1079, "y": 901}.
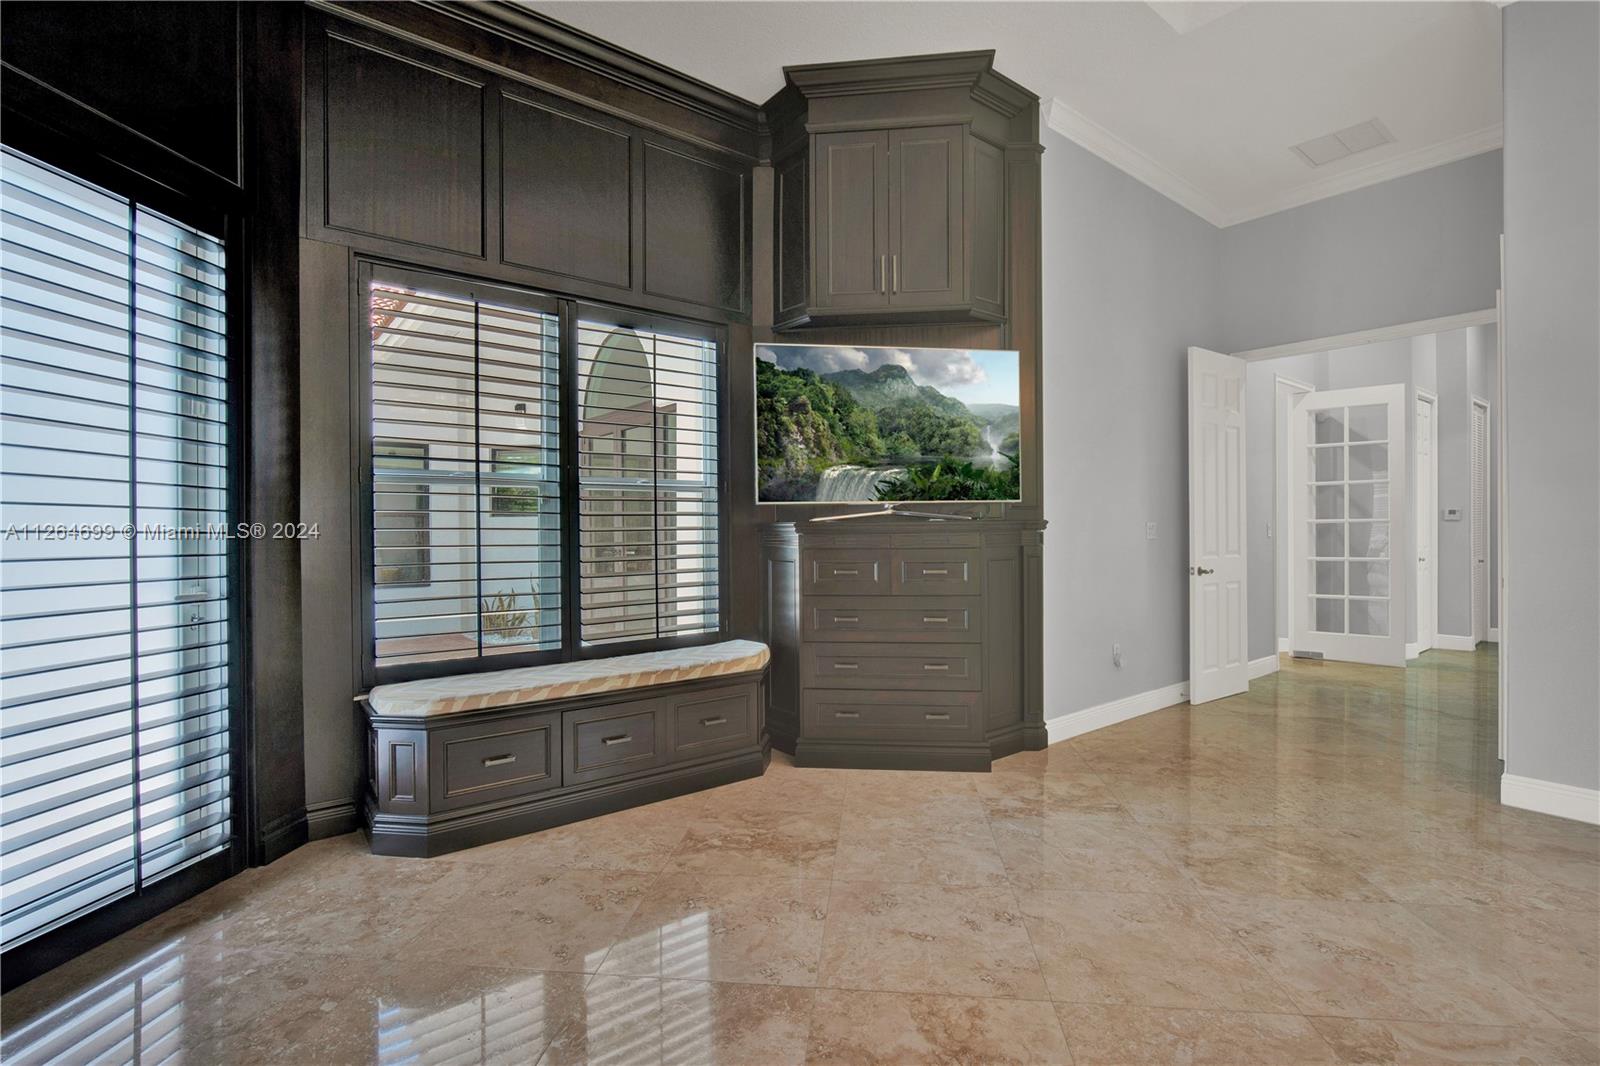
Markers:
{"x": 114, "y": 648}
{"x": 648, "y": 506}
{"x": 466, "y": 477}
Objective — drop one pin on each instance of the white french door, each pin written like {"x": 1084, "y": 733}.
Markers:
{"x": 1218, "y": 663}
{"x": 1427, "y": 511}
{"x": 1479, "y": 533}
{"x": 1349, "y": 466}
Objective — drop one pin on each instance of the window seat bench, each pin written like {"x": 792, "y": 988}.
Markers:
{"x": 464, "y": 760}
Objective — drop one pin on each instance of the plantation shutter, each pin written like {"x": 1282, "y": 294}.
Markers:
{"x": 114, "y": 648}
{"x": 648, "y": 500}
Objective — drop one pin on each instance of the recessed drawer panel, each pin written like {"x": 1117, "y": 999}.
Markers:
{"x": 907, "y": 618}
{"x": 844, "y": 571}
{"x": 935, "y": 572}
{"x": 889, "y": 714}
{"x": 713, "y": 720}
{"x": 494, "y": 760}
{"x": 611, "y": 741}
{"x": 947, "y": 667}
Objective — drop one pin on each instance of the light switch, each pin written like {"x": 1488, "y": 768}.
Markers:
{"x": 1452, "y": 514}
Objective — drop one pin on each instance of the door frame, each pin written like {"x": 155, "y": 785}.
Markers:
{"x": 1432, "y": 399}
{"x": 1283, "y": 388}
{"x": 1480, "y": 626}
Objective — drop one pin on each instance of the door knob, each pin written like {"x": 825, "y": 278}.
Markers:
{"x": 1202, "y": 571}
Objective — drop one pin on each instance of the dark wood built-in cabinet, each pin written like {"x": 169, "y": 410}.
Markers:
{"x": 889, "y": 209}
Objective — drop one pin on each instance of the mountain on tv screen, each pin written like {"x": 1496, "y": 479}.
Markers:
{"x": 841, "y": 424}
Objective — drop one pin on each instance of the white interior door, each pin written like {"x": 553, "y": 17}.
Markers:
{"x": 1480, "y": 520}
{"x": 1427, "y": 529}
{"x": 1350, "y": 463}
{"x": 1218, "y": 663}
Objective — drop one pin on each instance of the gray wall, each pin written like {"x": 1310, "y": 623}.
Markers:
{"x": 1129, "y": 284}
{"x": 1552, "y": 358}
{"x": 1422, "y": 246}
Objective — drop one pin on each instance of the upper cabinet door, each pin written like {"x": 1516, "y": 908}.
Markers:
{"x": 926, "y": 217}
{"x": 851, "y": 228}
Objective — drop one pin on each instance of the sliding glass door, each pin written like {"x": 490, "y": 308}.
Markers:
{"x": 117, "y": 766}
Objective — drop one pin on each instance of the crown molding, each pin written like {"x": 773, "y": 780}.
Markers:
{"x": 1465, "y": 146}
{"x": 1096, "y": 139}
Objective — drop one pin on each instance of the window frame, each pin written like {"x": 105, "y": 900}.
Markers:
{"x": 568, "y": 311}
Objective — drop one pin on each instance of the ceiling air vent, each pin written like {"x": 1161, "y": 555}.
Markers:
{"x": 1320, "y": 151}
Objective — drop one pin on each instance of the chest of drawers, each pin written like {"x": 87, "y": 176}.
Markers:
{"x": 907, "y": 646}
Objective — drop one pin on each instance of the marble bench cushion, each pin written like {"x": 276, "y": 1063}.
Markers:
{"x": 531, "y": 684}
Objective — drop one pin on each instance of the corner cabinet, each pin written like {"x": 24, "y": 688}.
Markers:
{"x": 886, "y": 210}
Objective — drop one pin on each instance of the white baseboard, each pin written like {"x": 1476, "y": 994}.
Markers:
{"x": 1452, "y": 642}
{"x": 1413, "y": 649}
{"x": 1551, "y": 797}
{"x": 1494, "y": 634}
{"x": 1267, "y": 664}
{"x": 1077, "y": 723}
{"x": 1285, "y": 646}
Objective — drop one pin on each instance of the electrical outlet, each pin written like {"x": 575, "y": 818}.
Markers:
{"x": 1149, "y": 531}
{"x": 1116, "y": 655}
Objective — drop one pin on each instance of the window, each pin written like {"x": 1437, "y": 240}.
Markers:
{"x": 115, "y": 567}
{"x": 648, "y": 506}
{"x": 485, "y": 543}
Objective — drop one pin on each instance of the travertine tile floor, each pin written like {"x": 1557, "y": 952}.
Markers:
{"x": 1317, "y": 871}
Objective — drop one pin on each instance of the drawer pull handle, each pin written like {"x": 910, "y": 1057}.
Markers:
{"x": 930, "y": 570}
{"x": 623, "y": 739}
{"x": 847, "y": 666}
{"x": 936, "y": 618}
{"x": 937, "y": 717}
{"x": 847, "y": 714}
{"x": 936, "y": 666}
{"x": 714, "y": 720}
{"x": 848, "y": 573}
{"x": 846, "y": 618}
{"x": 499, "y": 760}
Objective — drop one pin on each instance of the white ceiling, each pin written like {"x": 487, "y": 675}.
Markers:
{"x": 1200, "y": 104}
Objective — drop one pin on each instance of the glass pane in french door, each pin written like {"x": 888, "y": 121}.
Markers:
{"x": 1348, "y": 509}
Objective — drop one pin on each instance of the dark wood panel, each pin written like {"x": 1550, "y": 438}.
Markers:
{"x": 988, "y": 277}
{"x": 890, "y": 618}
{"x": 890, "y": 714}
{"x": 928, "y": 666}
{"x": 850, "y": 219}
{"x": 791, "y": 252}
{"x": 845, "y": 572}
{"x": 696, "y": 226}
{"x": 1002, "y": 638}
{"x": 168, "y": 71}
{"x": 512, "y": 757}
{"x": 566, "y": 193}
{"x": 926, "y": 241}
{"x": 610, "y": 741}
{"x": 937, "y": 572}
{"x": 714, "y": 720}
{"x": 404, "y": 147}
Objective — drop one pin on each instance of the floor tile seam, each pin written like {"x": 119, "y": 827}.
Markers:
{"x": 623, "y": 926}
{"x": 1324, "y": 1016}
{"x": 1268, "y": 966}
{"x": 1022, "y": 917}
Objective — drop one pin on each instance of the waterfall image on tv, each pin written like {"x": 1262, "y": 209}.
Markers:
{"x": 841, "y": 424}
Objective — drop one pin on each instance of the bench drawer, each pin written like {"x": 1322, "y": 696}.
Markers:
{"x": 940, "y": 667}
{"x": 935, "y": 572}
{"x": 496, "y": 760}
{"x": 892, "y": 715}
{"x": 713, "y": 720}
{"x": 611, "y": 741}
{"x": 897, "y": 618}
{"x": 845, "y": 572}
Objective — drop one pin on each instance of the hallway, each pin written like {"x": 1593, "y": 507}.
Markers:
{"x": 1315, "y": 871}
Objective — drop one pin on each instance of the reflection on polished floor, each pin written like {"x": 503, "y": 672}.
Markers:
{"x": 1317, "y": 871}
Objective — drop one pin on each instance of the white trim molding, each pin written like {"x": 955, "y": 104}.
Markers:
{"x": 1494, "y": 634}
{"x": 1475, "y": 142}
{"x": 1094, "y": 138}
{"x": 1551, "y": 797}
{"x": 1454, "y": 642}
{"x": 1395, "y": 332}
{"x": 1413, "y": 649}
{"x": 1285, "y": 647}
{"x": 1089, "y": 719}
{"x": 1267, "y": 664}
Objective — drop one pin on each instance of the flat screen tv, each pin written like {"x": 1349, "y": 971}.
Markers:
{"x": 843, "y": 424}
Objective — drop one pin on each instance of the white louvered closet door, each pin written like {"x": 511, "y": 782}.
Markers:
{"x": 117, "y": 767}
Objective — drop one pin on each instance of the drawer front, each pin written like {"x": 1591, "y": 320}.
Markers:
{"x": 611, "y": 741}
{"x": 509, "y": 757}
{"x": 714, "y": 720}
{"x": 935, "y": 572}
{"x": 892, "y": 715}
{"x": 898, "y": 618}
{"x": 938, "y": 667}
{"x": 844, "y": 572}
